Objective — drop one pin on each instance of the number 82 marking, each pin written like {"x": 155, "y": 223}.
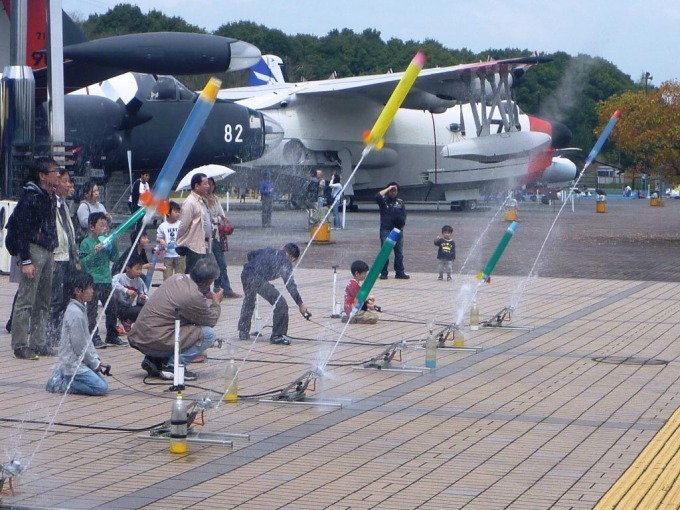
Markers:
{"x": 233, "y": 133}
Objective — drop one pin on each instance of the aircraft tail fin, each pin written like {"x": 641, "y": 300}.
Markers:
{"x": 36, "y": 29}
{"x": 270, "y": 69}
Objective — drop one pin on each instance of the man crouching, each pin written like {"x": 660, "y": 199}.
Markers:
{"x": 189, "y": 297}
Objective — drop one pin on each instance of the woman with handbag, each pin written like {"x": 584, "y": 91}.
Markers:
{"x": 222, "y": 228}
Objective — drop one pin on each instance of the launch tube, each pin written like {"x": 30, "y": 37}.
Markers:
{"x": 377, "y": 266}
{"x": 486, "y": 274}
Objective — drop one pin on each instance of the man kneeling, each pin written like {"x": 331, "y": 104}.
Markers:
{"x": 189, "y": 297}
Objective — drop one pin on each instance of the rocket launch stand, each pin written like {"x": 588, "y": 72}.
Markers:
{"x": 505, "y": 315}
{"x": 162, "y": 432}
{"x": 451, "y": 330}
{"x": 295, "y": 392}
{"x": 383, "y": 361}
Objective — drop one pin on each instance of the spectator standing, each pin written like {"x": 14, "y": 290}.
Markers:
{"x": 96, "y": 259}
{"x": 89, "y": 204}
{"x": 194, "y": 236}
{"x": 166, "y": 236}
{"x": 336, "y": 191}
{"x": 37, "y": 241}
{"x": 66, "y": 260}
{"x": 267, "y": 198}
{"x": 446, "y": 253}
{"x": 392, "y": 215}
{"x": 137, "y": 189}
{"x": 218, "y": 219}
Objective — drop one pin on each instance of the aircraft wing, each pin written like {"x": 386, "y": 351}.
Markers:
{"x": 435, "y": 89}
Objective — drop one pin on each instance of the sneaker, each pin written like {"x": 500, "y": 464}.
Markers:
{"x": 440, "y": 278}
{"x": 448, "y": 278}
{"x": 243, "y": 335}
{"x": 383, "y": 276}
{"x": 150, "y": 367}
{"x": 401, "y": 276}
{"x": 25, "y": 352}
{"x": 46, "y": 351}
{"x": 116, "y": 341}
{"x": 230, "y": 294}
{"x": 98, "y": 342}
{"x": 167, "y": 373}
{"x": 280, "y": 340}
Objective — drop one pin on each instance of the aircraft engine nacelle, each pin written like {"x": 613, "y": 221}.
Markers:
{"x": 166, "y": 53}
{"x": 92, "y": 126}
{"x": 561, "y": 170}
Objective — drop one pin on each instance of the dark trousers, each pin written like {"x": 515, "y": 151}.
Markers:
{"x": 398, "y": 252}
{"x": 223, "y": 281}
{"x": 267, "y": 203}
{"x": 127, "y": 312}
{"x": 101, "y": 294}
{"x": 59, "y": 301}
{"x": 191, "y": 258}
{"x": 252, "y": 286}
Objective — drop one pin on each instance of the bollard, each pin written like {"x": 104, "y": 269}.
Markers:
{"x": 511, "y": 210}
{"x": 320, "y": 233}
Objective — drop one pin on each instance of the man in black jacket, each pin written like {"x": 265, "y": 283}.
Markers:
{"x": 37, "y": 241}
{"x": 263, "y": 266}
{"x": 392, "y": 215}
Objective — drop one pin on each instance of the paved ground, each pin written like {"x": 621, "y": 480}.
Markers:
{"x": 546, "y": 417}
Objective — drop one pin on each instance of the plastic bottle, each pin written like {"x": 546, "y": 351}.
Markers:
{"x": 458, "y": 338}
{"x": 231, "y": 395}
{"x": 474, "y": 316}
{"x": 178, "y": 426}
{"x": 430, "y": 349}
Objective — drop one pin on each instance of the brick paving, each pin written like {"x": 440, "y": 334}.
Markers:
{"x": 532, "y": 420}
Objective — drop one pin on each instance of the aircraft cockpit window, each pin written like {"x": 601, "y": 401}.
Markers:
{"x": 168, "y": 88}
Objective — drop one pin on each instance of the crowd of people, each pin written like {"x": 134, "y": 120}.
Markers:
{"x": 68, "y": 267}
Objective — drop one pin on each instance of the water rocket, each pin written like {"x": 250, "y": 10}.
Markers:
{"x": 375, "y": 269}
{"x": 485, "y": 276}
{"x": 376, "y": 136}
{"x": 157, "y": 199}
{"x": 603, "y": 138}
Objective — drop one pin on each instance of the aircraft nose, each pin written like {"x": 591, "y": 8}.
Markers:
{"x": 561, "y": 135}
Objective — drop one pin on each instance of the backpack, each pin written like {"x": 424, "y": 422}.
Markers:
{"x": 79, "y": 231}
{"x": 328, "y": 195}
{"x": 312, "y": 191}
{"x": 12, "y": 236}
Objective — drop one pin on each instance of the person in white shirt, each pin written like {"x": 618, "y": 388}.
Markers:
{"x": 166, "y": 236}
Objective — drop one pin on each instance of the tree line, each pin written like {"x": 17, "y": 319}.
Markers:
{"x": 579, "y": 91}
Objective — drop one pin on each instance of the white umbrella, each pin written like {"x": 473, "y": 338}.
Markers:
{"x": 217, "y": 172}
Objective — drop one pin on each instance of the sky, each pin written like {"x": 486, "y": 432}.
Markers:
{"x": 637, "y": 36}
